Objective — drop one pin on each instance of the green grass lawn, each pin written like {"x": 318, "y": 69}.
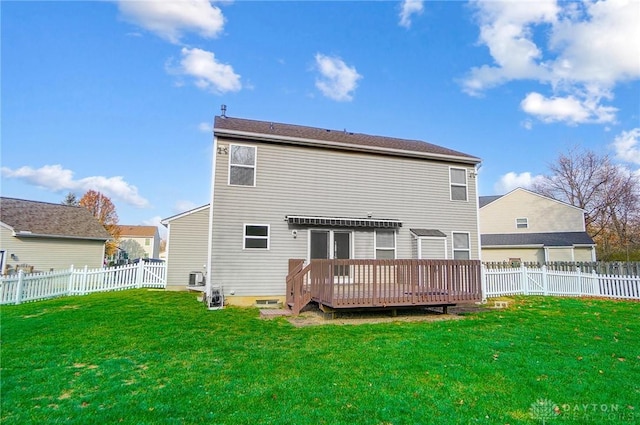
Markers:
{"x": 146, "y": 357}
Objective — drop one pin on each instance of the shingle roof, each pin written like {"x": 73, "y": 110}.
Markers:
{"x": 428, "y": 233}
{"x": 337, "y": 139}
{"x": 138, "y": 231}
{"x": 544, "y": 239}
{"x": 33, "y": 218}
{"x": 486, "y": 200}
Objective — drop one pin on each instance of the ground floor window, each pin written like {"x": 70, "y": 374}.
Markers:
{"x": 256, "y": 236}
{"x": 385, "y": 244}
{"x": 461, "y": 246}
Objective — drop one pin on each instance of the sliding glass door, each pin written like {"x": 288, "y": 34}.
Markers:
{"x": 331, "y": 244}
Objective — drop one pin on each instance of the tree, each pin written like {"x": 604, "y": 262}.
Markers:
{"x": 71, "y": 199}
{"x": 104, "y": 211}
{"x": 609, "y": 195}
{"x": 133, "y": 249}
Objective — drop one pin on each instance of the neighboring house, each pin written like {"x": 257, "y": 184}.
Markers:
{"x": 146, "y": 236}
{"x": 187, "y": 246}
{"x": 284, "y": 191}
{"x": 525, "y": 226}
{"x": 40, "y": 236}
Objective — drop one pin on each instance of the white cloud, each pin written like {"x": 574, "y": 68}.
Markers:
{"x": 205, "y": 127}
{"x": 57, "y": 179}
{"x": 627, "y": 146}
{"x": 579, "y": 50}
{"x": 171, "y": 18}
{"x": 569, "y": 109}
{"x": 598, "y": 43}
{"x": 156, "y": 221}
{"x": 337, "y": 80}
{"x": 184, "y": 206}
{"x": 209, "y": 74}
{"x": 511, "y": 181}
{"x": 408, "y": 8}
{"x": 506, "y": 29}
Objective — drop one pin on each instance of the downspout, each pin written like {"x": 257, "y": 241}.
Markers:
{"x": 477, "y": 200}
{"x": 210, "y": 242}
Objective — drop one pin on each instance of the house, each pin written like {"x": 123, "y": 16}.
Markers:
{"x": 146, "y": 236}
{"x": 187, "y": 247}
{"x": 40, "y": 236}
{"x": 282, "y": 192}
{"x": 525, "y": 226}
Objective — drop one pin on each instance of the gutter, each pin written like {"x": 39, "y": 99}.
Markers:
{"x": 345, "y": 146}
{"x": 27, "y": 234}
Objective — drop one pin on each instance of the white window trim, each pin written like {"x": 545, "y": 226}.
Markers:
{"x": 453, "y": 244}
{"x": 465, "y": 185}
{"x": 384, "y": 248}
{"x": 432, "y": 238}
{"x": 526, "y": 222}
{"x": 245, "y": 237}
{"x": 254, "y": 166}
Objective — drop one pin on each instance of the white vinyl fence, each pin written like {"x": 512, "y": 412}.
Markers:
{"x": 541, "y": 281}
{"x": 21, "y": 287}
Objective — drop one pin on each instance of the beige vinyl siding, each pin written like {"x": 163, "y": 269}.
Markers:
{"x": 45, "y": 254}
{"x": 187, "y": 247}
{"x": 560, "y": 254}
{"x": 322, "y": 182}
{"x": 543, "y": 215}
{"x": 583, "y": 254}
{"x": 506, "y": 254}
{"x": 152, "y": 250}
{"x": 537, "y": 254}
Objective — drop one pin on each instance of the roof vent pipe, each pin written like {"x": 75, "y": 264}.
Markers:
{"x": 223, "y": 108}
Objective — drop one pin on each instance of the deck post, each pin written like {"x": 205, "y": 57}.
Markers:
{"x": 415, "y": 274}
{"x": 374, "y": 295}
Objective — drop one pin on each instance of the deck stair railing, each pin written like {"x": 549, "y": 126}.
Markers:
{"x": 298, "y": 285}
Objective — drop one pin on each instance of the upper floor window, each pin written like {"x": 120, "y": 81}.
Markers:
{"x": 522, "y": 223}
{"x": 458, "y": 181}
{"x": 147, "y": 242}
{"x": 256, "y": 236}
{"x": 461, "y": 246}
{"x": 385, "y": 245}
{"x": 242, "y": 165}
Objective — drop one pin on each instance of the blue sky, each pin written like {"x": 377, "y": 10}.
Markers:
{"x": 120, "y": 96}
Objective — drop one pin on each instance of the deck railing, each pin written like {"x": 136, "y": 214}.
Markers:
{"x": 384, "y": 283}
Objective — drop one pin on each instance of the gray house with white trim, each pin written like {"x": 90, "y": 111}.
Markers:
{"x": 282, "y": 191}
{"x": 187, "y": 246}
{"x": 40, "y": 236}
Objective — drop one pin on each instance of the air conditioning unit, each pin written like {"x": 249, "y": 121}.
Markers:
{"x": 196, "y": 279}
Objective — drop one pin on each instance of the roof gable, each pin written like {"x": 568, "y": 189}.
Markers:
{"x": 138, "y": 231}
{"x": 167, "y": 220}
{"x": 34, "y": 218}
{"x": 490, "y": 199}
{"x": 336, "y": 139}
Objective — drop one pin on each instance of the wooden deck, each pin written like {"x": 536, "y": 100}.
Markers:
{"x": 343, "y": 284}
